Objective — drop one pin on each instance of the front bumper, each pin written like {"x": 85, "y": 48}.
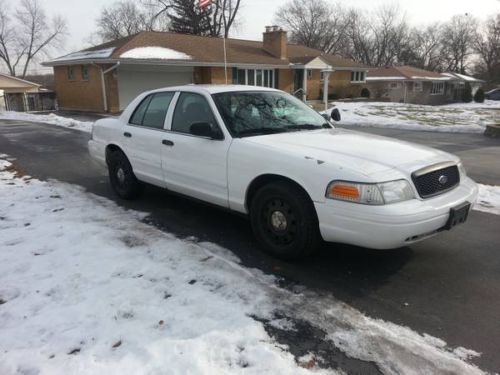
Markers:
{"x": 394, "y": 225}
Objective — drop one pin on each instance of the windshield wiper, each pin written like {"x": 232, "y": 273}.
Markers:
{"x": 308, "y": 127}
{"x": 263, "y": 130}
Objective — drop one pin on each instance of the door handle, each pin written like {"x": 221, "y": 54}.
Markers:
{"x": 166, "y": 142}
{"x": 127, "y": 134}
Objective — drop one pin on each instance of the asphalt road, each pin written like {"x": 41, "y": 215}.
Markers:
{"x": 448, "y": 286}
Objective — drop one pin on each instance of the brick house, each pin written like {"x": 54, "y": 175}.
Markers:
{"x": 407, "y": 84}
{"x": 107, "y": 77}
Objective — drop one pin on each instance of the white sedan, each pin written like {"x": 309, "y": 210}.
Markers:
{"x": 266, "y": 154}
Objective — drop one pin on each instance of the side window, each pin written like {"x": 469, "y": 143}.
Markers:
{"x": 152, "y": 110}
{"x": 191, "y": 108}
{"x": 157, "y": 110}
{"x": 71, "y": 73}
{"x": 139, "y": 112}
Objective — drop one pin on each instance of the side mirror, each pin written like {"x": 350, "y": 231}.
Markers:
{"x": 336, "y": 115}
{"x": 204, "y": 129}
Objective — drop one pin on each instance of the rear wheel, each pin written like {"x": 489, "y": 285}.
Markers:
{"x": 284, "y": 221}
{"x": 122, "y": 177}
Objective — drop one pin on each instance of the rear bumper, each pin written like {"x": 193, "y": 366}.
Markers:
{"x": 390, "y": 226}
{"x": 97, "y": 152}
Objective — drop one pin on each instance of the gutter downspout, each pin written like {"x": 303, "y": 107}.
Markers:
{"x": 103, "y": 83}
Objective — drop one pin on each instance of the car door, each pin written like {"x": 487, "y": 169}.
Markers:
{"x": 143, "y": 135}
{"x": 195, "y": 165}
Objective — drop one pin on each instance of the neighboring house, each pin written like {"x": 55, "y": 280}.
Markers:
{"x": 15, "y": 93}
{"x": 407, "y": 84}
{"x": 461, "y": 80}
{"x": 109, "y": 76}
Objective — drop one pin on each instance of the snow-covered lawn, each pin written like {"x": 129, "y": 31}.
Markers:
{"x": 51, "y": 119}
{"x": 87, "y": 288}
{"x": 460, "y": 117}
{"x": 489, "y": 199}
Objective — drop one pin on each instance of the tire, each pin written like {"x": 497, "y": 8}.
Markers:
{"x": 122, "y": 177}
{"x": 284, "y": 221}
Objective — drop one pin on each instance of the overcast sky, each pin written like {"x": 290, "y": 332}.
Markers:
{"x": 256, "y": 14}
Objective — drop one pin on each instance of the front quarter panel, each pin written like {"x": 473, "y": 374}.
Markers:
{"x": 247, "y": 161}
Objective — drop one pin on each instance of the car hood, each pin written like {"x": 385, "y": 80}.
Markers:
{"x": 365, "y": 153}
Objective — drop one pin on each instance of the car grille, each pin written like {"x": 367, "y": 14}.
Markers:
{"x": 436, "y": 179}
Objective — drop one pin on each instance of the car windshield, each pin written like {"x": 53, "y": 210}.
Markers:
{"x": 252, "y": 113}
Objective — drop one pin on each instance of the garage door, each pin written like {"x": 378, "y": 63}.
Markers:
{"x": 133, "y": 80}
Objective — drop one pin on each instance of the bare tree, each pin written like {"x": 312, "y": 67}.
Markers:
{"x": 125, "y": 18}
{"x": 314, "y": 23}
{"x": 487, "y": 46}
{"x": 425, "y": 47}
{"x": 224, "y": 16}
{"x": 120, "y": 20}
{"x": 11, "y": 52}
{"x": 360, "y": 47}
{"x": 27, "y": 34}
{"x": 458, "y": 37}
{"x": 379, "y": 38}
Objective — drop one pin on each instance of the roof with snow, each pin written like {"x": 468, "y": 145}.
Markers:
{"x": 408, "y": 73}
{"x": 463, "y": 77}
{"x": 175, "y": 48}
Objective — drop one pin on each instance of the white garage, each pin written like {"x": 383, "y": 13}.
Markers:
{"x": 135, "y": 79}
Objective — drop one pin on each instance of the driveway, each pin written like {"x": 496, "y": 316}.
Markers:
{"x": 448, "y": 286}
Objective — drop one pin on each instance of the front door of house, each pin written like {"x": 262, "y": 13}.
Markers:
{"x": 298, "y": 83}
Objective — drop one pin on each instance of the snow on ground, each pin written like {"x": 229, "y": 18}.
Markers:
{"x": 458, "y": 117}
{"x": 489, "y": 199}
{"x": 51, "y": 119}
{"x": 87, "y": 288}
{"x": 160, "y": 53}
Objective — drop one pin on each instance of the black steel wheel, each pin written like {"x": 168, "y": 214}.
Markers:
{"x": 122, "y": 177}
{"x": 284, "y": 220}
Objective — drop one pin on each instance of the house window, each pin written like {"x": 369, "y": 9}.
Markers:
{"x": 418, "y": 86}
{"x": 258, "y": 74}
{"x": 257, "y": 77}
{"x": 394, "y": 85}
{"x": 85, "y": 72}
{"x": 437, "y": 88}
{"x": 71, "y": 73}
{"x": 251, "y": 77}
{"x": 358, "y": 76}
{"x": 309, "y": 74}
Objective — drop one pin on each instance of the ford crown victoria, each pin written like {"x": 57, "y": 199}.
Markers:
{"x": 300, "y": 180}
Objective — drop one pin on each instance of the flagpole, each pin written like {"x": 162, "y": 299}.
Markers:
{"x": 203, "y": 4}
{"x": 225, "y": 56}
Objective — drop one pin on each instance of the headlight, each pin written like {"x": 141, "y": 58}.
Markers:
{"x": 396, "y": 191}
{"x": 461, "y": 169}
{"x": 373, "y": 194}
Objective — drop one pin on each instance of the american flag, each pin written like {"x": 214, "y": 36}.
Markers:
{"x": 205, "y": 3}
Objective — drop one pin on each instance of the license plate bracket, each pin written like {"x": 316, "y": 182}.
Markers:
{"x": 458, "y": 215}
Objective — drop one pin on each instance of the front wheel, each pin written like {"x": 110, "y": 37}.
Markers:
{"x": 284, "y": 221}
{"x": 122, "y": 177}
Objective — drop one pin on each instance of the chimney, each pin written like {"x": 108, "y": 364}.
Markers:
{"x": 276, "y": 42}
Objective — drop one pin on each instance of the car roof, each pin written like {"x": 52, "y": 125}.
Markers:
{"x": 216, "y": 89}
{"x": 492, "y": 91}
